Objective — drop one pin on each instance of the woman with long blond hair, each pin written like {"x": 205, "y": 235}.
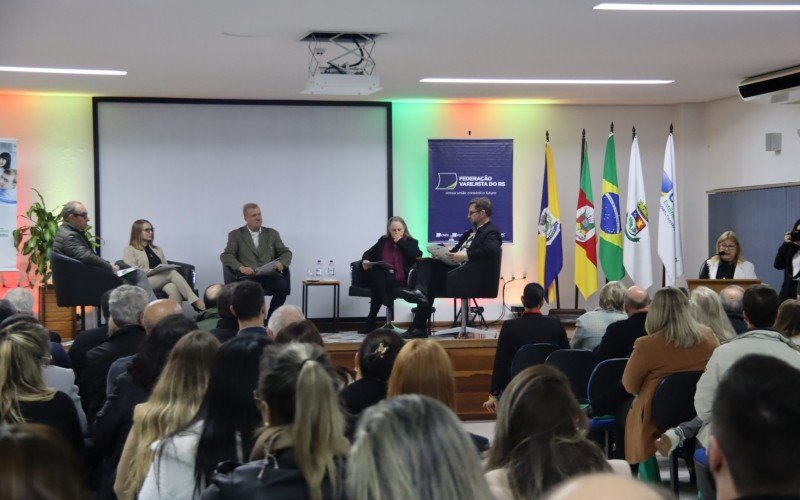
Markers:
{"x": 728, "y": 263}
{"x": 707, "y": 310}
{"x": 174, "y": 401}
{"x": 423, "y": 367}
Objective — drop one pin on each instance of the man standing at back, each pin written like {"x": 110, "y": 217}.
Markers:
{"x": 250, "y": 247}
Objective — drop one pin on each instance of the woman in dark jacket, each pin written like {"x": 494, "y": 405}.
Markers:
{"x": 788, "y": 260}
{"x": 387, "y": 265}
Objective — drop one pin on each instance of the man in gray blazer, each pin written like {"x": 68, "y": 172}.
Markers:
{"x": 250, "y": 247}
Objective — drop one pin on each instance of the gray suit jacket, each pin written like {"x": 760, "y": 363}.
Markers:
{"x": 73, "y": 243}
{"x": 63, "y": 379}
{"x": 240, "y": 250}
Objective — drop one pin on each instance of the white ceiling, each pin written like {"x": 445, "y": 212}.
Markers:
{"x": 175, "y": 48}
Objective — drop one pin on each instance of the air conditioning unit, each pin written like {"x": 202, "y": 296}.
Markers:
{"x": 782, "y": 86}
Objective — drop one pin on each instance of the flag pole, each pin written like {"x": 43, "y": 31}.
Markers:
{"x": 580, "y": 172}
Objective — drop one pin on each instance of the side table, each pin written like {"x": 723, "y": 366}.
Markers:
{"x": 332, "y": 283}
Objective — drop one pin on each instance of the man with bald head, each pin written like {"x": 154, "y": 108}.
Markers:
{"x": 732, "y": 297}
{"x": 207, "y": 320}
{"x": 620, "y": 336}
{"x": 283, "y": 316}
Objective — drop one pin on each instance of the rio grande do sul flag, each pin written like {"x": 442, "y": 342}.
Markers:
{"x": 636, "y": 246}
{"x": 585, "y": 238}
{"x": 550, "y": 251}
{"x": 669, "y": 229}
{"x": 610, "y": 217}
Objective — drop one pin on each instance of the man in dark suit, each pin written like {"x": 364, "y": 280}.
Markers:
{"x": 250, "y": 247}
{"x": 530, "y": 328}
{"x": 87, "y": 340}
{"x": 481, "y": 242}
{"x": 620, "y": 336}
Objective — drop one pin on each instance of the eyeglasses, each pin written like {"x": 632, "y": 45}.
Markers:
{"x": 727, "y": 246}
{"x": 84, "y": 214}
{"x": 148, "y": 230}
{"x": 473, "y": 212}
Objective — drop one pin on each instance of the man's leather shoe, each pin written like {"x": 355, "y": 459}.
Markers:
{"x": 413, "y": 296}
{"x": 414, "y": 333}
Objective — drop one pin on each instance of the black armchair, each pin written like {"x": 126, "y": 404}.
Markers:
{"x": 359, "y": 287}
{"x": 80, "y": 285}
{"x": 473, "y": 280}
{"x": 186, "y": 270}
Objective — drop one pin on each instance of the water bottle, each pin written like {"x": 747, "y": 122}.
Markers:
{"x": 451, "y": 243}
{"x": 330, "y": 272}
{"x": 318, "y": 270}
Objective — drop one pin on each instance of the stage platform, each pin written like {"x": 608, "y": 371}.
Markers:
{"x": 472, "y": 359}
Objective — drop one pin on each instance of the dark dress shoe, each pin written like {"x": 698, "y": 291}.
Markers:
{"x": 414, "y": 333}
{"x": 368, "y": 327}
{"x": 413, "y": 296}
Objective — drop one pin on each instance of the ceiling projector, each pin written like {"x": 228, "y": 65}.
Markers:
{"x": 339, "y": 84}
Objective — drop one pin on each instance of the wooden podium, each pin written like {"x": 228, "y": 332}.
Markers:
{"x": 718, "y": 285}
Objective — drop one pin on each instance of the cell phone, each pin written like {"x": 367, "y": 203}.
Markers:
{"x": 794, "y": 236}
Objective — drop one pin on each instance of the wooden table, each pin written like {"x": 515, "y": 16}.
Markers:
{"x": 332, "y": 283}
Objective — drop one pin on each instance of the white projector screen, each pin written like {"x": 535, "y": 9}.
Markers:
{"x": 321, "y": 173}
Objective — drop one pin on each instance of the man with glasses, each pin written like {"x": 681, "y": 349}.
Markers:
{"x": 71, "y": 240}
{"x": 481, "y": 242}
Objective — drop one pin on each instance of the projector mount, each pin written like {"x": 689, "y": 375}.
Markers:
{"x": 353, "y": 55}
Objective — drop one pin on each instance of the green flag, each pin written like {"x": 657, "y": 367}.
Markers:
{"x": 610, "y": 227}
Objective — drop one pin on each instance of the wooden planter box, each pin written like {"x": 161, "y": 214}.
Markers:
{"x": 59, "y": 319}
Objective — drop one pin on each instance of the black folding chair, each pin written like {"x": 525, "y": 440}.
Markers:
{"x": 577, "y": 365}
{"x": 605, "y": 377}
{"x": 530, "y": 355}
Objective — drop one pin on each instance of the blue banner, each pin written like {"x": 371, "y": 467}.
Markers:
{"x": 462, "y": 169}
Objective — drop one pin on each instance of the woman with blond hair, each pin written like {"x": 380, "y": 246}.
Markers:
{"x": 300, "y": 452}
{"x": 728, "y": 263}
{"x": 174, "y": 401}
{"x": 707, "y": 310}
{"x": 143, "y": 254}
{"x": 423, "y": 367}
{"x": 675, "y": 342}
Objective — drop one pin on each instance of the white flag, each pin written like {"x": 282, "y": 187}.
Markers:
{"x": 636, "y": 247}
{"x": 669, "y": 228}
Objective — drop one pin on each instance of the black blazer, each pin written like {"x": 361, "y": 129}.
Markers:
{"x": 83, "y": 343}
{"x": 783, "y": 261}
{"x": 515, "y": 333}
{"x": 58, "y": 413}
{"x": 486, "y": 244}
{"x": 619, "y": 338}
{"x": 407, "y": 245}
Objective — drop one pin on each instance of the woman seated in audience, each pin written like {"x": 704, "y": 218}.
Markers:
{"x": 142, "y": 253}
{"x": 788, "y": 320}
{"x": 707, "y": 310}
{"x": 300, "y": 331}
{"x": 301, "y": 450}
{"x": 175, "y": 400}
{"x": 222, "y": 430}
{"x": 591, "y": 326}
{"x": 24, "y": 348}
{"x": 38, "y": 463}
{"x": 423, "y": 367}
{"x": 675, "y": 342}
{"x": 398, "y": 251}
{"x": 114, "y": 421}
{"x": 728, "y": 262}
{"x": 413, "y": 447}
{"x": 540, "y": 437}
{"x": 374, "y": 362}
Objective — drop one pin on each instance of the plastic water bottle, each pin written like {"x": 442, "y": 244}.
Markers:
{"x": 451, "y": 243}
{"x": 318, "y": 270}
{"x": 330, "y": 272}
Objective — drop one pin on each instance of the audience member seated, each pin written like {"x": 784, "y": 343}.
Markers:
{"x": 283, "y": 316}
{"x": 175, "y": 400}
{"x": 133, "y": 387}
{"x": 540, "y": 437}
{"x": 126, "y": 306}
{"x": 227, "y": 326}
{"x": 707, "y": 310}
{"x": 675, "y": 342}
{"x": 24, "y": 397}
{"x": 754, "y": 434}
{"x": 620, "y": 336}
{"x": 89, "y": 339}
{"x": 207, "y": 320}
{"x": 38, "y": 463}
{"x": 222, "y": 430}
{"x": 143, "y": 254}
{"x": 300, "y": 452}
{"x": 374, "y": 361}
{"x": 606, "y": 486}
{"x": 59, "y": 356}
{"x": 301, "y": 331}
{"x": 413, "y": 447}
{"x": 6, "y": 309}
{"x": 591, "y": 326}
{"x": 787, "y": 320}
{"x": 423, "y": 367}
{"x": 21, "y": 299}
{"x": 398, "y": 251}
{"x": 153, "y": 313}
{"x": 249, "y": 308}
{"x": 731, "y": 297}
{"x": 531, "y": 328}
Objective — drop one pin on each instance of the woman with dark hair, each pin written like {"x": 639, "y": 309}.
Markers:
{"x": 374, "y": 361}
{"x": 300, "y": 331}
{"x": 387, "y": 264}
{"x": 222, "y": 430}
{"x": 143, "y": 254}
{"x": 788, "y": 320}
{"x": 540, "y": 436}
{"x": 300, "y": 452}
{"x": 133, "y": 387}
{"x": 788, "y": 260}
{"x": 227, "y": 325}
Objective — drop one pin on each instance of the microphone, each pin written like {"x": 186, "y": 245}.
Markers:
{"x": 721, "y": 253}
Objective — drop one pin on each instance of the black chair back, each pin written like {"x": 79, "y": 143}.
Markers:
{"x": 359, "y": 287}
{"x": 673, "y": 402}
{"x": 606, "y": 375}
{"x": 577, "y": 365}
{"x": 530, "y": 355}
{"x": 78, "y": 284}
{"x": 474, "y": 280}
